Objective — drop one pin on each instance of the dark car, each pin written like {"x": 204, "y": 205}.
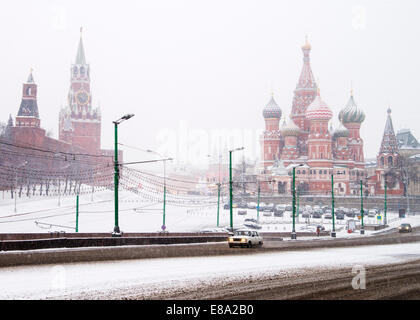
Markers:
{"x": 242, "y": 212}
{"x": 226, "y": 206}
{"x": 317, "y": 215}
{"x": 405, "y": 227}
{"x": 340, "y": 216}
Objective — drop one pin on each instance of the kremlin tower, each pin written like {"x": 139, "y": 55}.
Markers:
{"x": 79, "y": 123}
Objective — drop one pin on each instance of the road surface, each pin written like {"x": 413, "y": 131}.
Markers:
{"x": 263, "y": 275}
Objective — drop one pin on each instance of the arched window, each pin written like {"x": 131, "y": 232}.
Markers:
{"x": 390, "y": 161}
{"x": 382, "y": 161}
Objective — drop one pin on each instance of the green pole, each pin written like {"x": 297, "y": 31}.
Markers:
{"x": 164, "y": 194}
{"x": 218, "y": 202}
{"x": 297, "y": 205}
{"x": 258, "y": 202}
{"x": 293, "y": 235}
{"x": 333, "y": 234}
{"x": 116, "y": 177}
{"x": 77, "y": 213}
{"x": 230, "y": 190}
{"x": 385, "y": 208}
{"x": 362, "y": 231}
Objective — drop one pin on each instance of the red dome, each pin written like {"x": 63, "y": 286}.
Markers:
{"x": 318, "y": 110}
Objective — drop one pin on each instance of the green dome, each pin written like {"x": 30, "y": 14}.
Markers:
{"x": 351, "y": 113}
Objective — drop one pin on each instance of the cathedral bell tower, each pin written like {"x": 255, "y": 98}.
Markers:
{"x": 79, "y": 123}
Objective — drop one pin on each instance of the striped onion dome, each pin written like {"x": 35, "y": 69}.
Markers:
{"x": 351, "y": 113}
{"x": 290, "y": 129}
{"x": 318, "y": 110}
{"x": 341, "y": 131}
{"x": 272, "y": 110}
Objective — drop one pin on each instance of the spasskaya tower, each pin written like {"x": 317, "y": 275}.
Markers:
{"x": 79, "y": 123}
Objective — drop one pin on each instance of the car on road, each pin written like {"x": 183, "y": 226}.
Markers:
{"x": 245, "y": 238}
{"x": 251, "y": 223}
{"x": 226, "y": 206}
{"x": 405, "y": 227}
{"x": 242, "y": 212}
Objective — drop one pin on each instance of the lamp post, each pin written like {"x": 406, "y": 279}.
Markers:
{"x": 333, "y": 233}
{"x": 258, "y": 203}
{"x": 293, "y": 235}
{"x": 117, "y": 232}
{"x": 164, "y": 187}
{"x": 231, "y": 186}
{"x": 362, "y": 230}
{"x": 385, "y": 207}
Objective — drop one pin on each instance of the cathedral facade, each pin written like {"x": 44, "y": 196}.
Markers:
{"x": 307, "y": 142}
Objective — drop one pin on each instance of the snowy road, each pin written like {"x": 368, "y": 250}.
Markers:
{"x": 149, "y": 278}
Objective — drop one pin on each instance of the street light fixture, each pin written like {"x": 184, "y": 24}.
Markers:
{"x": 117, "y": 232}
{"x": 293, "y": 234}
{"x": 231, "y": 185}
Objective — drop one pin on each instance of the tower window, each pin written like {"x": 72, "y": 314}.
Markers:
{"x": 390, "y": 161}
{"x": 382, "y": 161}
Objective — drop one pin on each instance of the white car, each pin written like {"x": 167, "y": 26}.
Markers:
{"x": 245, "y": 238}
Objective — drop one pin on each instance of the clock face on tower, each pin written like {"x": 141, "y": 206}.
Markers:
{"x": 82, "y": 97}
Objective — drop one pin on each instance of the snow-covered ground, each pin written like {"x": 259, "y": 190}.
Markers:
{"x": 96, "y": 214}
{"x": 148, "y": 276}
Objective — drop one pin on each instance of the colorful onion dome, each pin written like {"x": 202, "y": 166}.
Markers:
{"x": 318, "y": 110}
{"x": 341, "y": 131}
{"x": 272, "y": 110}
{"x": 351, "y": 112}
{"x": 290, "y": 129}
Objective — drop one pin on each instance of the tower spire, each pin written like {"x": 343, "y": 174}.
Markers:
{"x": 389, "y": 141}
{"x": 80, "y": 57}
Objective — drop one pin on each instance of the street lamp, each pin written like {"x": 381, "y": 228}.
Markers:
{"x": 231, "y": 185}
{"x": 362, "y": 230}
{"x": 117, "y": 232}
{"x": 164, "y": 185}
{"x": 293, "y": 235}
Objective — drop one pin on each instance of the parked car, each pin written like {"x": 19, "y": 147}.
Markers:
{"x": 245, "y": 238}
{"x": 306, "y": 214}
{"x": 280, "y": 208}
{"x": 242, "y": 212}
{"x": 267, "y": 213}
{"x": 317, "y": 215}
{"x": 328, "y": 216}
{"x": 340, "y": 216}
{"x": 288, "y": 207}
{"x": 226, "y": 206}
{"x": 372, "y": 213}
{"x": 405, "y": 227}
{"x": 262, "y": 206}
{"x": 252, "y": 205}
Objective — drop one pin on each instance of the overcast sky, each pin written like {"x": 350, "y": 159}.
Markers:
{"x": 184, "y": 66}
